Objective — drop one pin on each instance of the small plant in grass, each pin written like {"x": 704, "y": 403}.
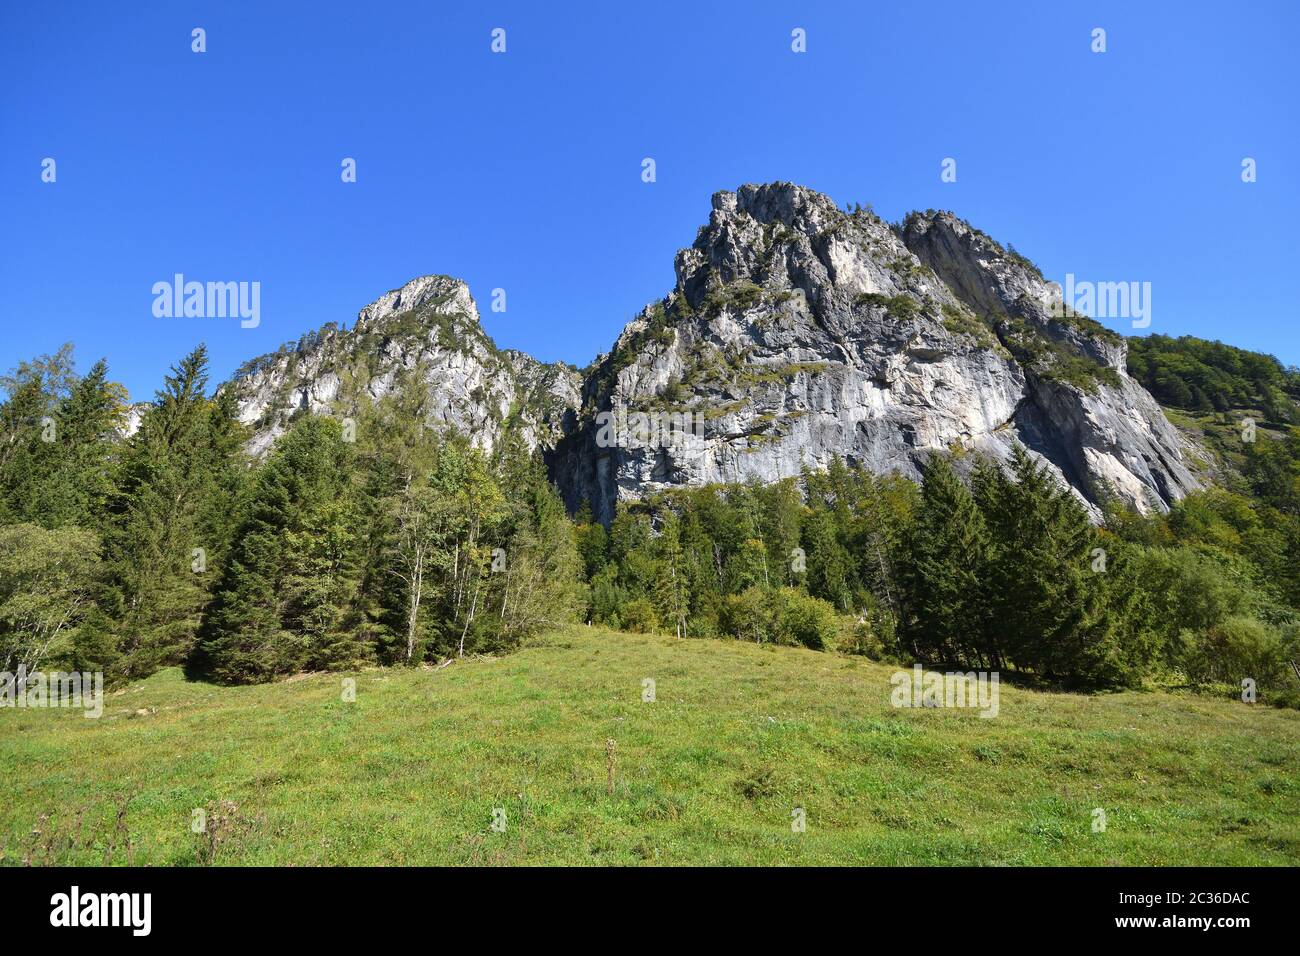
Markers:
{"x": 223, "y": 827}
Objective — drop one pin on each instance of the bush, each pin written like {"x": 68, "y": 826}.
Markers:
{"x": 780, "y": 616}
{"x": 1185, "y": 593}
{"x": 1233, "y": 649}
{"x": 898, "y": 306}
{"x": 46, "y": 578}
{"x": 803, "y": 620}
{"x": 748, "y": 616}
{"x": 872, "y": 635}
{"x": 639, "y": 617}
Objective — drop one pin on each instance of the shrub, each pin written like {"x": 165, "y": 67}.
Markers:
{"x": 748, "y": 615}
{"x": 1236, "y": 648}
{"x": 780, "y": 616}
{"x": 639, "y": 617}
{"x": 899, "y": 306}
{"x": 871, "y": 635}
{"x": 803, "y": 620}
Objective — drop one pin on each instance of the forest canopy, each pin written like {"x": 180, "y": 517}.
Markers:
{"x": 374, "y": 538}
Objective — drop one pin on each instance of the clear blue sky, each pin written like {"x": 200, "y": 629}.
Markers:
{"x": 522, "y": 170}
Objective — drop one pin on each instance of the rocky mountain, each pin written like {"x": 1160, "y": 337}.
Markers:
{"x": 796, "y": 332}
{"x": 424, "y": 343}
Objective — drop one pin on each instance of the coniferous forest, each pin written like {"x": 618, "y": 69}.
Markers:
{"x": 396, "y": 545}
{"x": 380, "y": 540}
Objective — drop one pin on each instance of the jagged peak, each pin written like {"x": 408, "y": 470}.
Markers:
{"x": 438, "y": 293}
{"x": 787, "y": 203}
{"x": 917, "y": 223}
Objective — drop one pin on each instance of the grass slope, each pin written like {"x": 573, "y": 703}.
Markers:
{"x": 740, "y": 735}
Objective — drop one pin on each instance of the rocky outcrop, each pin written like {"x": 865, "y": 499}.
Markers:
{"x": 423, "y": 341}
{"x": 1113, "y": 436}
{"x": 796, "y": 332}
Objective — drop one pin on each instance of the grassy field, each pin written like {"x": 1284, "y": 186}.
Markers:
{"x": 738, "y": 737}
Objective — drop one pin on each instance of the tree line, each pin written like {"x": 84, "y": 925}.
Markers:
{"x": 1000, "y": 569}
{"x": 376, "y": 539}
{"x": 1202, "y": 376}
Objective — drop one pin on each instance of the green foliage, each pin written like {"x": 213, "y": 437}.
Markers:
{"x": 804, "y": 620}
{"x": 283, "y": 594}
{"x": 1053, "y": 360}
{"x": 401, "y": 546}
{"x": 57, "y": 438}
{"x": 948, "y": 569}
{"x": 899, "y": 307}
{"x": 1201, "y": 376}
{"x": 410, "y": 545}
{"x": 1047, "y": 602}
{"x": 959, "y": 321}
{"x": 47, "y": 583}
{"x": 1009, "y": 573}
{"x": 1234, "y": 649}
{"x": 639, "y": 616}
{"x": 738, "y": 296}
{"x": 169, "y": 521}
{"x": 780, "y": 616}
{"x": 403, "y": 549}
{"x": 777, "y": 563}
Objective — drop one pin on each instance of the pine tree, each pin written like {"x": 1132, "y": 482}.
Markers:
{"x": 1045, "y": 597}
{"x": 155, "y": 532}
{"x": 593, "y": 543}
{"x": 31, "y": 441}
{"x": 947, "y": 573}
{"x": 830, "y": 567}
{"x": 672, "y": 586}
{"x": 782, "y": 514}
{"x": 286, "y": 592}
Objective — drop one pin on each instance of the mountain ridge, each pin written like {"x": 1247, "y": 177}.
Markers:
{"x": 795, "y": 332}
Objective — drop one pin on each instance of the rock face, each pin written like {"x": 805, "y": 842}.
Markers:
{"x": 423, "y": 342}
{"x": 796, "y": 332}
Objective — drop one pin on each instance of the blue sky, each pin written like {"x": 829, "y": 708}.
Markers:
{"x": 522, "y": 170}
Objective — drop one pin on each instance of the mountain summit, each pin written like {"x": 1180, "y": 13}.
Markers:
{"x": 796, "y": 332}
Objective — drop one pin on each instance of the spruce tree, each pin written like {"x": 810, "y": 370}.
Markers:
{"x": 286, "y": 591}
{"x": 672, "y": 585}
{"x": 828, "y": 561}
{"x": 155, "y": 534}
{"x": 947, "y": 573}
{"x": 1045, "y": 597}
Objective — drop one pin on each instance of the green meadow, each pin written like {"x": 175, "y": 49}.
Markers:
{"x": 739, "y": 737}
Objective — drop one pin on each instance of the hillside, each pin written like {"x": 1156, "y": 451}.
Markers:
{"x": 708, "y": 773}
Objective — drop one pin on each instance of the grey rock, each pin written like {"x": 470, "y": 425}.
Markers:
{"x": 423, "y": 338}
{"x": 796, "y": 332}
{"x": 835, "y": 334}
